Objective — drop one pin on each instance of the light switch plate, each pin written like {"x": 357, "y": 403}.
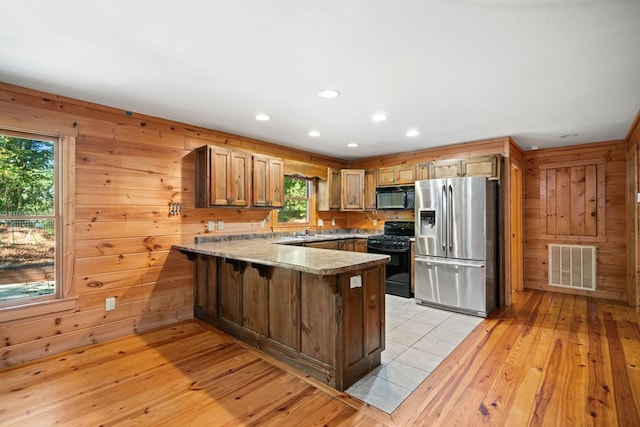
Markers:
{"x": 638, "y": 197}
{"x": 110, "y": 304}
{"x": 220, "y": 225}
{"x": 212, "y": 225}
{"x": 320, "y": 222}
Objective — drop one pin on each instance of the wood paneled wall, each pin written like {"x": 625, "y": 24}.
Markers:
{"x": 129, "y": 167}
{"x": 611, "y": 277}
{"x": 633, "y": 214}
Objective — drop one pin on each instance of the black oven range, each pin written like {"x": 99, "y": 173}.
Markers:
{"x": 396, "y": 243}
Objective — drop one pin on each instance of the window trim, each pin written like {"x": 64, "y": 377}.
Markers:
{"x": 311, "y": 211}
{"x": 65, "y": 175}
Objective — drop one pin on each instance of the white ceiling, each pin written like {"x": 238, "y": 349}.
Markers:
{"x": 457, "y": 71}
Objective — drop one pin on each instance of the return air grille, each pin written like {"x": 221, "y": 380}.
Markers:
{"x": 572, "y": 266}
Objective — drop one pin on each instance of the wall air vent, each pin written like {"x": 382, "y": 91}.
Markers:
{"x": 572, "y": 266}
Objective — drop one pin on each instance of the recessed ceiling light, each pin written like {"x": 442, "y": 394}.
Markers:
{"x": 379, "y": 117}
{"x": 352, "y": 145}
{"x": 262, "y": 117}
{"x": 413, "y": 132}
{"x": 329, "y": 93}
{"x": 314, "y": 133}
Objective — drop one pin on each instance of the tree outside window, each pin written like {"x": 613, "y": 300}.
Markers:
{"x": 27, "y": 218}
{"x": 296, "y": 201}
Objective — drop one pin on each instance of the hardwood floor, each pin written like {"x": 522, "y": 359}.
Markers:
{"x": 549, "y": 359}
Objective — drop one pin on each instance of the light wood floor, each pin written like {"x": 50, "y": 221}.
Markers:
{"x": 549, "y": 359}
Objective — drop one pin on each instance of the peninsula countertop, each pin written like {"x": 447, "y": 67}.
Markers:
{"x": 283, "y": 252}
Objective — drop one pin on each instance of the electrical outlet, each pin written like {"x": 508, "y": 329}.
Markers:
{"x": 212, "y": 225}
{"x": 375, "y": 222}
{"x": 262, "y": 224}
{"x": 355, "y": 282}
{"x": 110, "y": 304}
{"x": 320, "y": 222}
{"x": 333, "y": 221}
{"x": 220, "y": 225}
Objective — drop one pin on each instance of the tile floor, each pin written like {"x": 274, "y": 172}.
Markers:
{"x": 418, "y": 339}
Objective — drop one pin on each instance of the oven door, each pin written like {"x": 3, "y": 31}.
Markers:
{"x": 398, "y": 271}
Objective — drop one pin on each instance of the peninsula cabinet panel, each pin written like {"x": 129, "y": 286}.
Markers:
{"x": 330, "y": 327}
{"x": 364, "y": 313}
{"x": 284, "y": 307}
{"x": 268, "y": 181}
{"x": 205, "y": 295}
{"x": 230, "y": 289}
{"x": 254, "y": 299}
{"x": 319, "y": 331}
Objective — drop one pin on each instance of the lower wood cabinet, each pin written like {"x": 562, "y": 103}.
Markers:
{"x": 328, "y": 326}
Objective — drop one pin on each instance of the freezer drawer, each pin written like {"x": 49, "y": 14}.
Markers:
{"x": 453, "y": 284}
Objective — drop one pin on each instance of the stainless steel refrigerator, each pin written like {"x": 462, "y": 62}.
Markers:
{"x": 456, "y": 261}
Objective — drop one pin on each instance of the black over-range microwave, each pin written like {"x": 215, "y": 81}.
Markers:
{"x": 395, "y": 197}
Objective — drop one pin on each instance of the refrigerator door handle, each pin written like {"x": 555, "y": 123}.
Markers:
{"x": 444, "y": 218}
{"x": 450, "y": 219}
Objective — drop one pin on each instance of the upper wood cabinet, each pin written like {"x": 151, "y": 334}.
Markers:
{"x": 370, "y": 184}
{"x": 330, "y": 191}
{"x": 422, "y": 171}
{"x": 445, "y": 169}
{"x": 352, "y": 194}
{"x": 488, "y": 166}
{"x": 397, "y": 175}
{"x": 268, "y": 181}
{"x": 222, "y": 177}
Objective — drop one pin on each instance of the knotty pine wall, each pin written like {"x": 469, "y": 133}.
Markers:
{"x": 611, "y": 259}
{"x": 128, "y": 169}
{"x": 633, "y": 213}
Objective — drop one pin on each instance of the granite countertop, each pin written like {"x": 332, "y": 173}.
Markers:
{"x": 282, "y": 252}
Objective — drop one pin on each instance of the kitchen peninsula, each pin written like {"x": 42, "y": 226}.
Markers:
{"x": 321, "y": 311}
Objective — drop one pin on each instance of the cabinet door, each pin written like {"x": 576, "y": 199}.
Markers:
{"x": 260, "y": 181}
{"x": 335, "y": 188}
{"x": 329, "y": 244}
{"x": 422, "y": 171}
{"x": 405, "y": 174}
{"x": 445, "y": 169}
{"x": 370, "y": 184}
{"x": 222, "y": 177}
{"x": 220, "y": 191}
{"x": 352, "y": 194}
{"x": 239, "y": 179}
{"x": 268, "y": 181}
{"x": 386, "y": 176}
{"x": 348, "y": 245}
{"x": 276, "y": 182}
{"x": 481, "y": 166}
{"x": 360, "y": 245}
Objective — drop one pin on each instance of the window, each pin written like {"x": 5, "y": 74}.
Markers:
{"x": 296, "y": 201}
{"x": 29, "y": 219}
